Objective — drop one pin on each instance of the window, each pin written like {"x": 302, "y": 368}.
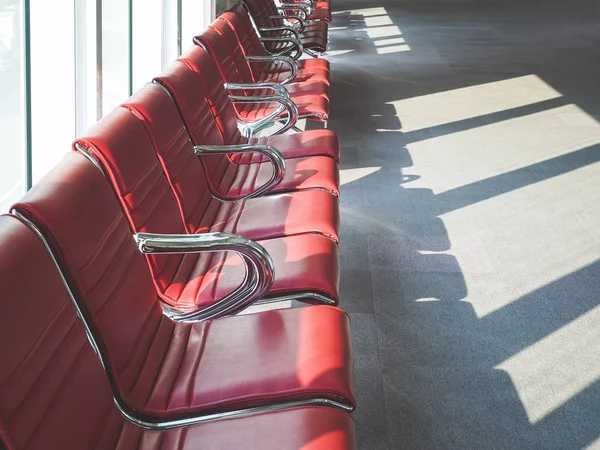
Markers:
{"x": 13, "y": 172}
{"x": 63, "y": 65}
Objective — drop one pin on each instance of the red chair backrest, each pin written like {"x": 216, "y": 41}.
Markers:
{"x": 50, "y": 375}
{"x": 239, "y": 21}
{"x": 155, "y": 108}
{"x": 261, "y": 11}
{"x": 76, "y": 210}
{"x": 196, "y": 76}
{"x": 121, "y": 143}
{"x": 222, "y": 44}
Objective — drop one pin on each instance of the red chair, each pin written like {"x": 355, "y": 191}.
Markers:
{"x": 310, "y": 97}
{"x": 310, "y": 157}
{"x": 268, "y": 68}
{"x": 287, "y": 30}
{"x": 306, "y": 266}
{"x": 247, "y": 42}
{"x": 166, "y": 373}
{"x": 207, "y": 80}
{"x": 55, "y": 392}
{"x": 193, "y": 181}
{"x": 310, "y": 10}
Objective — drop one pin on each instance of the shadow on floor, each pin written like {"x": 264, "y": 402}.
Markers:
{"x": 431, "y": 371}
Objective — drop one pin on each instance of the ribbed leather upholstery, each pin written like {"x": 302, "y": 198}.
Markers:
{"x": 236, "y": 23}
{"x": 321, "y": 10}
{"x": 122, "y": 142}
{"x": 314, "y": 69}
{"x": 167, "y": 369}
{"x": 311, "y": 98}
{"x": 55, "y": 394}
{"x": 314, "y": 36}
{"x": 299, "y": 212}
{"x": 310, "y": 157}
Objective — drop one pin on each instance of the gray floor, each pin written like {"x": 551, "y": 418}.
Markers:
{"x": 471, "y": 220}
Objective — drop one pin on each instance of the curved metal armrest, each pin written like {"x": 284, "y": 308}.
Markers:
{"x": 281, "y": 90}
{"x": 271, "y": 153}
{"x": 260, "y": 269}
{"x": 289, "y": 29}
{"x": 305, "y": 8}
{"x": 296, "y": 46}
{"x": 300, "y": 10}
{"x": 286, "y": 104}
{"x": 293, "y": 65}
{"x": 291, "y": 17}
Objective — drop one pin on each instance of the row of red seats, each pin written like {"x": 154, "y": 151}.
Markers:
{"x": 300, "y": 22}
{"x": 221, "y": 219}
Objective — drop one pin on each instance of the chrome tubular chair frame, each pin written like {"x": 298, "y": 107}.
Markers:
{"x": 300, "y": 10}
{"x": 285, "y": 28}
{"x": 150, "y": 423}
{"x": 293, "y": 19}
{"x": 286, "y": 105}
{"x": 278, "y": 88}
{"x": 287, "y": 60}
{"x": 257, "y": 280}
{"x": 308, "y": 297}
{"x": 268, "y": 151}
{"x": 303, "y": 7}
{"x": 296, "y": 46}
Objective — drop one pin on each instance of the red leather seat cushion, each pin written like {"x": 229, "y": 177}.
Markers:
{"x": 241, "y": 361}
{"x": 306, "y": 143}
{"x": 279, "y": 215}
{"x": 305, "y": 263}
{"x": 321, "y": 11}
{"x": 279, "y": 74}
{"x": 316, "y": 172}
{"x": 315, "y": 107}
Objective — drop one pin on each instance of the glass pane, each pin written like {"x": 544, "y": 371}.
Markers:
{"x": 12, "y": 111}
{"x": 52, "y": 83}
{"x": 195, "y": 18}
{"x": 115, "y": 53}
{"x": 147, "y": 41}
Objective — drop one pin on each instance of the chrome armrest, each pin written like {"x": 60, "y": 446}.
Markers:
{"x": 295, "y": 19}
{"x": 271, "y": 153}
{"x": 296, "y": 46}
{"x": 289, "y": 29}
{"x": 300, "y": 11}
{"x": 286, "y": 104}
{"x": 293, "y": 65}
{"x": 281, "y": 90}
{"x": 260, "y": 269}
{"x": 305, "y": 8}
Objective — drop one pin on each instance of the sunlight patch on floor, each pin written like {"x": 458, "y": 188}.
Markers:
{"x": 350, "y": 175}
{"x": 470, "y": 155}
{"x": 558, "y": 367}
{"x": 513, "y": 244}
{"x": 378, "y": 24}
{"x": 450, "y": 106}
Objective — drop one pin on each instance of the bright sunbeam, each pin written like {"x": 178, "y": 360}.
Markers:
{"x": 380, "y": 28}
{"x": 350, "y": 175}
{"x": 483, "y": 150}
{"x": 555, "y": 369}
{"x": 454, "y": 105}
